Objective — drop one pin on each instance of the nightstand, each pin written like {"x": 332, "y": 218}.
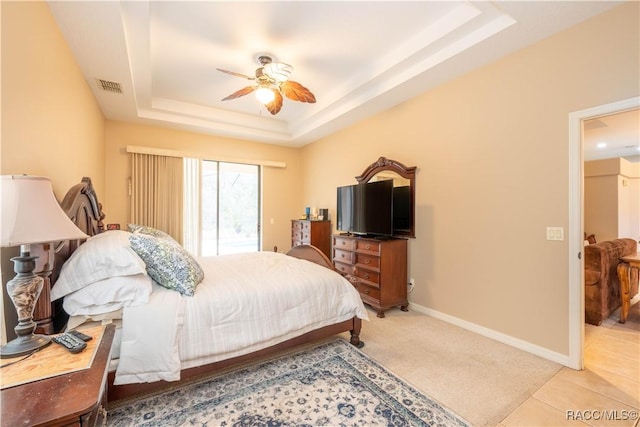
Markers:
{"x": 76, "y": 398}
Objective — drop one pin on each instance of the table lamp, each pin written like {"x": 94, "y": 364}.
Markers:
{"x": 30, "y": 214}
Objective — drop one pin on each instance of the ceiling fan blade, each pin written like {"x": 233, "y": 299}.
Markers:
{"x": 275, "y": 105}
{"x": 242, "y": 92}
{"x": 233, "y": 73}
{"x": 297, "y": 92}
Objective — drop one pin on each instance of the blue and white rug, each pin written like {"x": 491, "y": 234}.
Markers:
{"x": 333, "y": 384}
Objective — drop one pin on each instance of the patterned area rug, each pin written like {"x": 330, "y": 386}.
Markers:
{"x": 331, "y": 384}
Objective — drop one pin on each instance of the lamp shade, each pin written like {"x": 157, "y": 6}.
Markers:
{"x": 265, "y": 95}
{"x": 31, "y": 213}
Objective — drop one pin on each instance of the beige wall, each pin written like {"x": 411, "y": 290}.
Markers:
{"x": 601, "y": 206}
{"x": 612, "y": 199}
{"x": 281, "y": 187}
{"x": 51, "y": 123}
{"x": 492, "y": 154}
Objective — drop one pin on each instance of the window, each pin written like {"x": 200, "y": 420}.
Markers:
{"x": 227, "y": 213}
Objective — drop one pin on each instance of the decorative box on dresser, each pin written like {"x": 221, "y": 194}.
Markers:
{"x": 309, "y": 232}
{"x": 377, "y": 268}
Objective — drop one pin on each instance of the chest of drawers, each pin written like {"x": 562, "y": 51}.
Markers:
{"x": 377, "y": 268}
{"x": 316, "y": 233}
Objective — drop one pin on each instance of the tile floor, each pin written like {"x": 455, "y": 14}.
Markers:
{"x": 605, "y": 393}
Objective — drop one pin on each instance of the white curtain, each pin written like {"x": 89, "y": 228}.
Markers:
{"x": 191, "y": 214}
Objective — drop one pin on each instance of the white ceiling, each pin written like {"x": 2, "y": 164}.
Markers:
{"x": 614, "y": 135}
{"x": 358, "y": 58}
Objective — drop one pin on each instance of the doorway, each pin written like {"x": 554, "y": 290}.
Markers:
{"x": 576, "y": 222}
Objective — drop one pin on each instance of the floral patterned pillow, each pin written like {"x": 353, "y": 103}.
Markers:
{"x": 168, "y": 263}
{"x": 145, "y": 229}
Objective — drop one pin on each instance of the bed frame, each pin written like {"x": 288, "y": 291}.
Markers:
{"x": 82, "y": 206}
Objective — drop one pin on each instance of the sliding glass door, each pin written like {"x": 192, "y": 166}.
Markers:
{"x": 230, "y": 216}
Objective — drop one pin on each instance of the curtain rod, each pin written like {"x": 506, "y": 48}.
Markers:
{"x": 173, "y": 153}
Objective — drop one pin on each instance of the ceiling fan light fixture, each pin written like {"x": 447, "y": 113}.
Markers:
{"x": 272, "y": 85}
{"x": 278, "y": 71}
{"x": 265, "y": 95}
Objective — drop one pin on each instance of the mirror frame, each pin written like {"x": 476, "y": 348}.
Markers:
{"x": 407, "y": 172}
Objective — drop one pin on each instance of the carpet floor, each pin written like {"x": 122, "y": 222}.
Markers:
{"x": 480, "y": 379}
{"x": 331, "y": 384}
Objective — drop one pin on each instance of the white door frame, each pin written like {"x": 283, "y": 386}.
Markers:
{"x": 576, "y": 222}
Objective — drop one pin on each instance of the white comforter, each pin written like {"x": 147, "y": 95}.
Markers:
{"x": 245, "y": 303}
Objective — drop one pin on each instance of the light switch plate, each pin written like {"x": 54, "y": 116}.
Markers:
{"x": 555, "y": 233}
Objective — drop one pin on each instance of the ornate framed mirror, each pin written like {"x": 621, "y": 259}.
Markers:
{"x": 404, "y": 180}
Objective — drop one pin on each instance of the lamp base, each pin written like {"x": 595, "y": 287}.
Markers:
{"x": 24, "y": 290}
{"x": 24, "y": 345}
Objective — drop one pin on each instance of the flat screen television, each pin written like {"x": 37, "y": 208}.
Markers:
{"x": 366, "y": 208}
{"x": 345, "y": 208}
{"x": 401, "y": 209}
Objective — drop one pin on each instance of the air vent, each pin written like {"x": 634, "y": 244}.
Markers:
{"x": 109, "y": 86}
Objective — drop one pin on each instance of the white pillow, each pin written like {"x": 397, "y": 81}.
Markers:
{"x": 108, "y": 295}
{"x": 101, "y": 319}
{"x": 102, "y": 256}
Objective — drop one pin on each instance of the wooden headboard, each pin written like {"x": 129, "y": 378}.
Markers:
{"x": 82, "y": 207}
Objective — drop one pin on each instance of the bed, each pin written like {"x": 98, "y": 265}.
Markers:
{"x": 244, "y": 307}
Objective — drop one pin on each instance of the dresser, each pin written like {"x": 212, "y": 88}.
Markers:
{"x": 377, "y": 268}
{"x": 308, "y": 232}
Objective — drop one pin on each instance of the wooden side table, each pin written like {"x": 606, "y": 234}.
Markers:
{"x": 76, "y": 398}
{"x": 627, "y": 273}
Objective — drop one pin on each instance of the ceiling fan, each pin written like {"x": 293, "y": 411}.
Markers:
{"x": 272, "y": 81}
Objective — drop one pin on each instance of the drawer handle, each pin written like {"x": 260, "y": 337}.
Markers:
{"x": 342, "y": 255}
{"x": 367, "y": 261}
{"x": 368, "y": 247}
{"x": 367, "y": 291}
{"x": 366, "y": 276}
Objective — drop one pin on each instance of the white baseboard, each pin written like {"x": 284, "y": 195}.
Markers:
{"x": 545, "y": 353}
